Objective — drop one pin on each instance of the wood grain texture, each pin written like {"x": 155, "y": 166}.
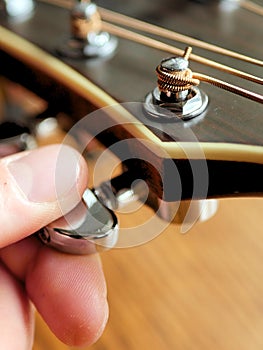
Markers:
{"x": 130, "y": 74}
{"x": 201, "y": 290}
{"x": 231, "y": 129}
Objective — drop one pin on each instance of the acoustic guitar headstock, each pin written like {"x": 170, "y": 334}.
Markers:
{"x": 192, "y": 131}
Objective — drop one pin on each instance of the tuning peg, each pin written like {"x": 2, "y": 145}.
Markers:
{"x": 17, "y": 9}
{"x": 177, "y": 95}
{"x": 93, "y": 226}
{"x": 87, "y": 39}
{"x": 90, "y": 227}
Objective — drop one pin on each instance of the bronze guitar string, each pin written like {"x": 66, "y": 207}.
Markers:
{"x": 251, "y": 6}
{"x": 169, "y": 34}
{"x": 144, "y": 40}
{"x": 246, "y": 4}
{"x": 148, "y": 28}
{"x": 173, "y": 82}
{"x": 159, "y": 45}
{"x": 156, "y": 44}
{"x": 66, "y": 4}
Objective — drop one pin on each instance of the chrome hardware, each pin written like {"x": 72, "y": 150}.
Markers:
{"x": 177, "y": 94}
{"x": 17, "y": 9}
{"x": 121, "y": 191}
{"x": 85, "y": 230}
{"x": 15, "y": 138}
{"x": 188, "y": 212}
{"x": 87, "y": 39}
{"x": 194, "y": 105}
{"x": 93, "y": 226}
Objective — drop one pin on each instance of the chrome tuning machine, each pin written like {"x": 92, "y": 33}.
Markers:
{"x": 86, "y": 230}
{"x": 87, "y": 40}
{"x": 17, "y": 10}
{"x": 177, "y": 95}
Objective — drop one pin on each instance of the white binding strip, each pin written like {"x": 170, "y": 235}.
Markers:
{"x": 35, "y": 57}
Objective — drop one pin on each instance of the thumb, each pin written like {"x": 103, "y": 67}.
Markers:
{"x": 37, "y": 187}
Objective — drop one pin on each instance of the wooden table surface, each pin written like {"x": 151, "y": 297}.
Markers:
{"x": 198, "y": 291}
{"x": 202, "y": 290}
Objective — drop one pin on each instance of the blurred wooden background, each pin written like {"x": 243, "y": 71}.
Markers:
{"x": 202, "y": 290}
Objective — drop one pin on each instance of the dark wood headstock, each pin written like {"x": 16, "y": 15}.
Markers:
{"x": 225, "y": 142}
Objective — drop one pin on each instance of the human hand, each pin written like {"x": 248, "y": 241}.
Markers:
{"x": 69, "y": 291}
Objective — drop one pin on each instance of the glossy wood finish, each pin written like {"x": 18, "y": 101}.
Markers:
{"x": 202, "y": 290}
{"x": 130, "y": 74}
{"x": 230, "y": 121}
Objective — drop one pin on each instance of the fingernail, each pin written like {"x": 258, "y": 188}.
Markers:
{"x": 46, "y": 174}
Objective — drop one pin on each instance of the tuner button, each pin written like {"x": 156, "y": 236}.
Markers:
{"x": 88, "y": 228}
{"x": 189, "y": 212}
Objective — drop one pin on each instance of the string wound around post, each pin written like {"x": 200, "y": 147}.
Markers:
{"x": 87, "y": 39}
{"x": 177, "y": 94}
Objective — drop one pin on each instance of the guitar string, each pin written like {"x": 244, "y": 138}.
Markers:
{"x": 121, "y": 19}
{"x": 130, "y": 22}
{"x": 139, "y": 25}
{"x": 208, "y": 79}
{"x": 144, "y": 40}
{"x": 66, "y": 4}
{"x": 229, "y": 87}
{"x": 246, "y": 4}
{"x": 159, "y": 45}
{"x": 169, "y": 34}
{"x": 251, "y": 6}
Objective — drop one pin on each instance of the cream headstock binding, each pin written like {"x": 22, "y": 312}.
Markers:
{"x": 224, "y": 133}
